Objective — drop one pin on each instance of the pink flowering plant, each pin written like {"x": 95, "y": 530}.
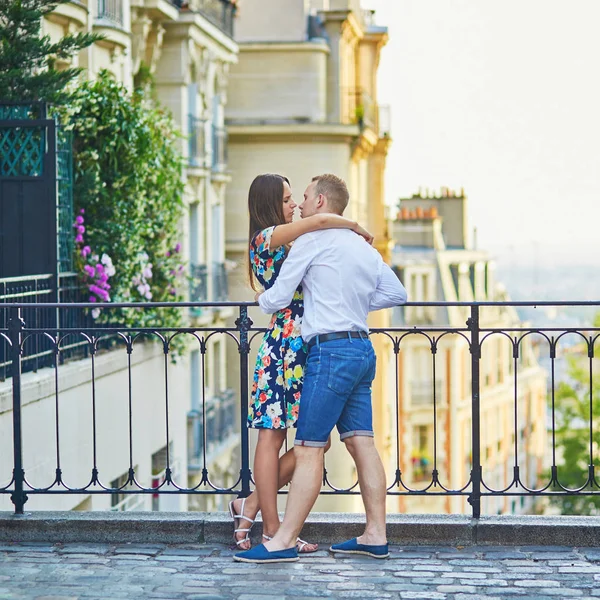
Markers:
{"x": 95, "y": 271}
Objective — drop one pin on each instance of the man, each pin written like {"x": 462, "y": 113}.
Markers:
{"x": 343, "y": 278}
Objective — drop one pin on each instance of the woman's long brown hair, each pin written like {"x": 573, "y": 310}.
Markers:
{"x": 265, "y": 206}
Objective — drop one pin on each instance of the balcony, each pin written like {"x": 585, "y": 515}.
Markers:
{"x": 219, "y": 413}
{"x": 422, "y": 393}
{"x": 197, "y": 154}
{"x": 219, "y": 149}
{"x": 220, "y": 13}
{"x": 110, "y": 11}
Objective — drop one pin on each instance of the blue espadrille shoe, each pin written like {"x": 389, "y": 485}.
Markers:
{"x": 353, "y": 547}
{"x": 259, "y": 554}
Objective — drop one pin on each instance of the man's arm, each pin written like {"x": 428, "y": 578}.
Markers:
{"x": 389, "y": 292}
{"x": 292, "y": 271}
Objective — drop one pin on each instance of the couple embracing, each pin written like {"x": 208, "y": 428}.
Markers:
{"x": 316, "y": 363}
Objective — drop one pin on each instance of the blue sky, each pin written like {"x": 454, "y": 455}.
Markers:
{"x": 503, "y": 99}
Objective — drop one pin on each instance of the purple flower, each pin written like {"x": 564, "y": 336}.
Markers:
{"x": 79, "y": 220}
{"x": 177, "y": 247}
{"x": 80, "y": 229}
{"x": 95, "y": 289}
{"x": 99, "y": 269}
{"x": 92, "y": 299}
{"x": 104, "y": 295}
{"x": 172, "y": 291}
{"x": 167, "y": 254}
{"x": 79, "y": 239}
{"x": 103, "y": 278}
{"x": 85, "y": 251}
{"x": 82, "y": 211}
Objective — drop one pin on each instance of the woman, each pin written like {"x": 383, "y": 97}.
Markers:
{"x": 279, "y": 371}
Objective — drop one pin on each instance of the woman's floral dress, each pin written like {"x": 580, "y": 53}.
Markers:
{"x": 279, "y": 370}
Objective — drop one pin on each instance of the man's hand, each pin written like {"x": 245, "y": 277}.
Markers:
{"x": 257, "y": 296}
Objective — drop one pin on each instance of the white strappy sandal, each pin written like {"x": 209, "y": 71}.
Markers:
{"x": 300, "y": 544}
{"x": 235, "y": 523}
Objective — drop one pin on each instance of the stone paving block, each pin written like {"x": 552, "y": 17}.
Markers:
{"x": 531, "y": 570}
{"x": 84, "y": 549}
{"x": 307, "y": 593}
{"x": 425, "y": 595}
{"x": 546, "y": 583}
{"x": 363, "y": 594}
{"x": 463, "y": 575}
{"x": 414, "y": 574}
{"x": 457, "y": 589}
{"x": 496, "y": 555}
{"x": 561, "y": 592}
{"x": 351, "y": 585}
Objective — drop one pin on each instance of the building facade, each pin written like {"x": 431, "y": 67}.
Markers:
{"x": 436, "y": 260}
{"x": 185, "y": 49}
{"x": 303, "y": 101}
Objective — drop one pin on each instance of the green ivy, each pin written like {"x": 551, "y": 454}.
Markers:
{"x": 128, "y": 180}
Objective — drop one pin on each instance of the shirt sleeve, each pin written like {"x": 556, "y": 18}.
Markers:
{"x": 294, "y": 267}
{"x": 390, "y": 291}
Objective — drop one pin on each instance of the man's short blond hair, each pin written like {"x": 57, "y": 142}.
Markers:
{"x": 334, "y": 188}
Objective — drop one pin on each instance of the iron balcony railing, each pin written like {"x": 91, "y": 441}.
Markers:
{"x": 200, "y": 276}
{"x": 219, "y": 148}
{"x": 219, "y": 12}
{"x": 197, "y": 141}
{"x": 110, "y": 10}
{"x": 525, "y": 475}
{"x": 220, "y": 416}
{"x": 37, "y": 351}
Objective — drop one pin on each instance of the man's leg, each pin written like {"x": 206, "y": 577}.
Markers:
{"x": 356, "y": 430}
{"x": 371, "y": 478}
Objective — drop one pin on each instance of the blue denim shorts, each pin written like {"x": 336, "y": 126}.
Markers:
{"x": 336, "y": 391}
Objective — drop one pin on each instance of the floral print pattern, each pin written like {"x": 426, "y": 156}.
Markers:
{"x": 279, "y": 370}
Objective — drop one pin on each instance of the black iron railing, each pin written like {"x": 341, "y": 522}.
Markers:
{"x": 427, "y": 476}
{"x": 110, "y": 10}
{"x": 38, "y": 351}
{"x": 197, "y": 141}
{"x": 219, "y": 12}
{"x": 219, "y": 148}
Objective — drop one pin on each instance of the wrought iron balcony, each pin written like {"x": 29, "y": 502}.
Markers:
{"x": 197, "y": 141}
{"x": 219, "y": 12}
{"x": 219, "y": 149}
{"x": 219, "y": 413}
{"x": 110, "y": 10}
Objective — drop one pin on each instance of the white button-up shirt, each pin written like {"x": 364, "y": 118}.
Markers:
{"x": 343, "y": 278}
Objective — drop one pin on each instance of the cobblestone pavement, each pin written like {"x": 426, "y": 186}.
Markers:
{"x": 195, "y": 572}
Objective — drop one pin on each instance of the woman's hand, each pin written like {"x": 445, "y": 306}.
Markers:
{"x": 364, "y": 234}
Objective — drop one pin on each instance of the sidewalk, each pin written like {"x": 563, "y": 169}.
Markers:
{"x": 44, "y": 571}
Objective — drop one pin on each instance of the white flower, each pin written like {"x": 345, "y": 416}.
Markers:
{"x": 263, "y": 381}
{"x": 148, "y": 295}
{"x": 141, "y": 289}
{"x": 95, "y": 313}
{"x": 274, "y": 410}
{"x": 147, "y": 272}
{"x": 290, "y": 356}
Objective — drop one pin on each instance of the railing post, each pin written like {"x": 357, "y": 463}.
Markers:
{"x": 475, "y": 497}
{"x": 15, "y": 329}
{"x": 244, "y": 323}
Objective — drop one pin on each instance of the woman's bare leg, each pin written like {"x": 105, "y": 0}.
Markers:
{"x": 269, "y": 444}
